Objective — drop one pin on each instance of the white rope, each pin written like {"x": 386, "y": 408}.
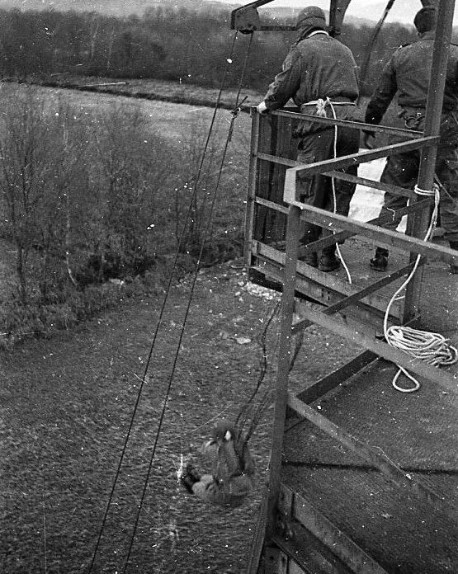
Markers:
{"x": 432, "y": 348}
{"x": 333, "y": 183}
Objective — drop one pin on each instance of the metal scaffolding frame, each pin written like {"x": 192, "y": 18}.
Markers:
{"x": 275, "y": 263}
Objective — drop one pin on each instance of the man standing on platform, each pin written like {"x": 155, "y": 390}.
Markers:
{"x": 319, "y": 74}
{"x": 407, "y": 74}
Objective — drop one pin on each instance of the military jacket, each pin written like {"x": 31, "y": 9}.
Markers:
{"x": 316, "y": 67}
{"x": 407, "y": 73}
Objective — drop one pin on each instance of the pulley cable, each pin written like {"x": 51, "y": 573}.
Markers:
{"x": 206, "y": 235}
{"x": 433, "y": 348}
{"x": 161, "y": 313}
{"x": 246, "y": 411}
{"x": 368, "y": 51}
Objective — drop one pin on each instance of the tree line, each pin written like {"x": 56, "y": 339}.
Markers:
{"x": 165, "y": 43}
{"x": 96, "y": 204}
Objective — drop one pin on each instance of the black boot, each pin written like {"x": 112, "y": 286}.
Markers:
{"x": 380, "y": 260}
{"x": 454, "y": 266}
{"x": 309, "y": 257}
{"x": 189, "y": 478}
{"x": 329, "y": 261}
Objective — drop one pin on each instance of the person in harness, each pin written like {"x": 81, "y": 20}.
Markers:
{"x": 407, "y": 74}
{"x": 320, "y": 75}
{"x": 232, "y": 469}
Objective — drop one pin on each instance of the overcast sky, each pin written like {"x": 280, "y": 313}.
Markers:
{"x": 402, "y": 10}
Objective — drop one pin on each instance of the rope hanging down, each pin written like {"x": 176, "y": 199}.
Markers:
{"x": 321, "y": 112}
{"x": 162, "y": 310}
{"x": 432, "y": 348}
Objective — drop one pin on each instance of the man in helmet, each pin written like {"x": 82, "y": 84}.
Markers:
{"x": 319, "y": 74}
{"x": 407, "y": 74}
{"x": 232, "y": 469}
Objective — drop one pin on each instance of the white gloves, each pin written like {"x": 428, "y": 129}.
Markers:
{"x": 262, "y": 108}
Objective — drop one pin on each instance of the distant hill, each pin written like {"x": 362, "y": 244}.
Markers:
{"x": 123, "y": 8}
{"x": 110, "y": 7}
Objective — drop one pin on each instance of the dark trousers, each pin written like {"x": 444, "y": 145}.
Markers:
{"x": 402, "y": 170}
{"x": 318, "y": 190}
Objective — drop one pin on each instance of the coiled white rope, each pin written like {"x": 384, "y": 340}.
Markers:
{"x": 432, "y": 348}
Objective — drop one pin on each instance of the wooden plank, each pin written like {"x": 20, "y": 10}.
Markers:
{"x": 350, "y": 553}
{"x": 321, "y": 278}
{"x": 386, "y": 466}
{"x": 360, "y": 337}
{"x": 319, "y": 388}
{"x": 359, "y": 295}
{"x": 309, "y": 290}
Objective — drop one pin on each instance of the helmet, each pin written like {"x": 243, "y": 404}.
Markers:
{"x": 224, "y": 431}
{"x": 425, "y": 19}
{"x": 311, "y": 17}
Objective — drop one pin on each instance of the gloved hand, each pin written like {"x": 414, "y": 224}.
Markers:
{"x": 262, "y": 109}
{"x": 368, "y": 140}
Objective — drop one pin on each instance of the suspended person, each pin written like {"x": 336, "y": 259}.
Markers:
{"x": 232, "y": 469}
{"x": 320, "y": 75}
{"x": 407, "y": 74}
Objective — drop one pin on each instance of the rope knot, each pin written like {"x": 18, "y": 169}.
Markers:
{"x": 321, "y": 107}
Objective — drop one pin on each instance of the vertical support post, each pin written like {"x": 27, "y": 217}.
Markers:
{"x": 432, "y": 125}
{"x": 284, "y": 361}
{"x": 252, "y": 186}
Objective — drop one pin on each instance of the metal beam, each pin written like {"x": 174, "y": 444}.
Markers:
{"x": 386, "y": 466}
{"x": 394, "y": 189}
{"x": 284, "y": 360}
{"x": 432, "y": 128}
{"x": 360, "y": 337}
{"x": 308, "y": 170}
{"x": 342, "y": 546}
{"x": 334, "y": 222}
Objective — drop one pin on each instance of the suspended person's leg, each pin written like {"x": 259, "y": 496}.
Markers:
{"x": 208, "y": 489}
